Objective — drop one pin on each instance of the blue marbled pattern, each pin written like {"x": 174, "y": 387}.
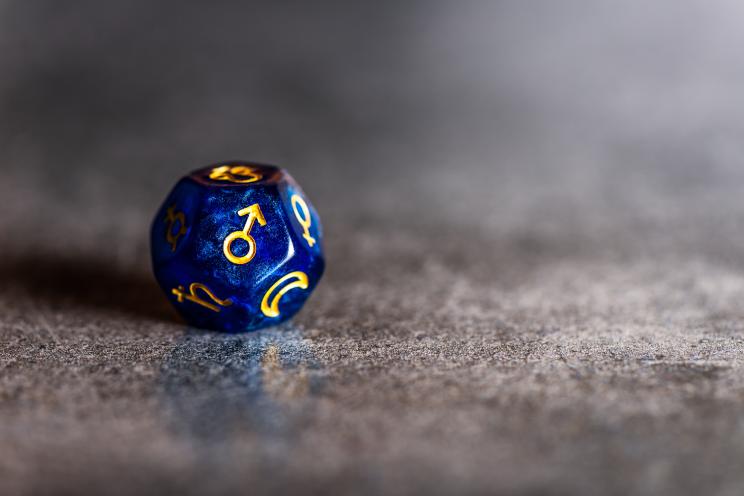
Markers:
{"x": 210, "y": 209}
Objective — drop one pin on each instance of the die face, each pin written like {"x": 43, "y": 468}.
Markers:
{"x": 174, "y": 221}
{"x": 241, "y": 235}
{"x": 237, "y": 174}
{"x": 245, "y": 265}
{"x": 303, "y": 218}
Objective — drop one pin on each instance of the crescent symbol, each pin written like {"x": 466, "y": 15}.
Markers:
{"x": 298, "y": 280}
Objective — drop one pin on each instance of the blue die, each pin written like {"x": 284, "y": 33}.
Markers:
{"x": 237, "y": 247}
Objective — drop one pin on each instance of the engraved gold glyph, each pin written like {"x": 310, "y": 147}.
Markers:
{"x": 241, "y": 174}
{"x": 270, "y": 301}
{"x": 192, "y": 295}
{"x": 174, "y": 218}
{"x": 302, "y": 213}
{"x": 254, "y": 214}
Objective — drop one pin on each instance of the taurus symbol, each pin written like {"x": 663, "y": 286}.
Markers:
{"x": 235, "y": 174}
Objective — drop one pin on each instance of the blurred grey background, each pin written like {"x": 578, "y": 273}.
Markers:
{"x": 534, "y": 220}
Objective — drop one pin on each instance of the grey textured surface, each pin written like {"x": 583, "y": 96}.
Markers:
{"x": 534, "y": 230}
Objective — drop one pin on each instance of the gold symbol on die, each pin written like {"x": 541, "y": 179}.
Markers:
{"x": 192, "y": 296}
{"x": 174, "y": 218}
{"x": 302, "y": 213}
{"x": 269, "y": 305}
{"x": 254, "y": 214}
{"x": 241, "y": 174}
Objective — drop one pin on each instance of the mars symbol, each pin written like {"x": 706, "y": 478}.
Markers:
{"x": 254, "y": 214}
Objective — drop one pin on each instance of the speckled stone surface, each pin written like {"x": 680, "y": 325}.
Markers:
{"x": 529, "y": 288}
